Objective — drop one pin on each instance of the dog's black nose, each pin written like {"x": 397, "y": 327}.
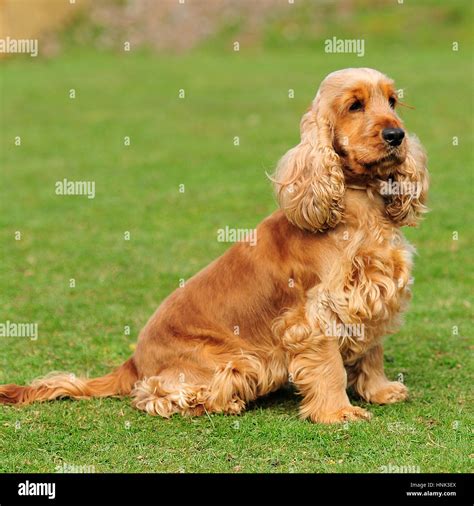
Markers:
{"x": 393, "y": 136}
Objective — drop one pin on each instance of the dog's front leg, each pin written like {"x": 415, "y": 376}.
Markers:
{"x": 371, "y": 383}
{"x": 317, "y": 370}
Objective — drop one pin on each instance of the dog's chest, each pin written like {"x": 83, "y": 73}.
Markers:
{"x": 377, "y": 254}
{"x": 366, "y": 287}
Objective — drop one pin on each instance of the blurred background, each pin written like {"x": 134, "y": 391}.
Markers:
{"x": 181, "y": 25}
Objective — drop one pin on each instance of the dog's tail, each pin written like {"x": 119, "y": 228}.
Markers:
{"x": 57, "y": 385}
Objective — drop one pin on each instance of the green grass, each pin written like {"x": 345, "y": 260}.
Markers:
{"x": 190, "y": 141}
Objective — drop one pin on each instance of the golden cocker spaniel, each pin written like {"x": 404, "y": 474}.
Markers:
{"x": 311, "y": 301}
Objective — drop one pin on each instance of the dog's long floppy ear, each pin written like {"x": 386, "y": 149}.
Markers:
{"x": 309, "y": 181}
{"x": 406, "y": 203}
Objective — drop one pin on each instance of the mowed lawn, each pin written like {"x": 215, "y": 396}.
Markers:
{"x": 192, "y": 141}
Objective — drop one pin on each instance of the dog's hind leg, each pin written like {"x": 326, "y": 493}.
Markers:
{"x": 156, "y": 397}
{"x": 224, "y": 390}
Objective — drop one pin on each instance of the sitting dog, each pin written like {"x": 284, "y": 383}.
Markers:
{"x": 311, "y": 302}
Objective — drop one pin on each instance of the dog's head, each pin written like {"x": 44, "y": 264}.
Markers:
{"x": 352, "y": 133}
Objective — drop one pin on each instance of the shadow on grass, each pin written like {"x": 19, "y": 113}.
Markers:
{"x": 285, "y": 399}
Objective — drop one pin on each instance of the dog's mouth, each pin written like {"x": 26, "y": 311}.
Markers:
{"x": 359, "y": 163}
{"x": 394, "y": 157}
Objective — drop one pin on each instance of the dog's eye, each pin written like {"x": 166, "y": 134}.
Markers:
{"x": 356, "y": 106}
{"x": 392, "y": 101}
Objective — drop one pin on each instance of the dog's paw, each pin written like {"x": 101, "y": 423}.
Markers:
{"x": 346, "y": 414}
{"x": 392, "y": 392}
{"x": 235, "y": 406}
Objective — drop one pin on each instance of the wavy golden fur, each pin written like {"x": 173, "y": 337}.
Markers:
{"x": 331, "y": 261}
